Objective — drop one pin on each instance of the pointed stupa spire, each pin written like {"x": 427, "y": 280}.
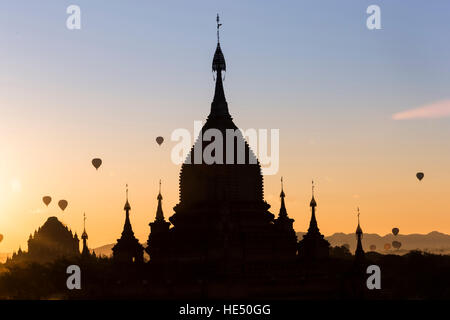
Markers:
{"x": 359, "y": 253}
{"x": 358, "y": 229}
{"x": 159, "y": 211}
{"x": 283, "y": 211}
{"x": 219, "y": 106}
{"x": 84, "y": 234}
{"x": 127, "y": 230}
{"x": 313, "y": 205}
{"x": 128, "y": 249}
{"x": 127, "y": 206}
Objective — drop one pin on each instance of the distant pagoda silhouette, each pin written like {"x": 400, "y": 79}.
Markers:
{"x": 359, "y": 253}
{"x": 221, "y": 215}
{"x": 285, "y": 226}
{"x": 85, "y": 251}
{"x": 51, "y": 241}
{"x": 159, "y": 233}
{"x": 313, "y": 246}
{"x": 128, "y": 249}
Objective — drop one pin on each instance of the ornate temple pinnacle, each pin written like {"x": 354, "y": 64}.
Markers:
{"x": 159, "y": 211}
{"x": 358, "y": 229}
{"x": 219, "y": 106}
{"x": 282, "y": 195}
{"x": 313, "y": 203}
{"x": 127, "y": 206}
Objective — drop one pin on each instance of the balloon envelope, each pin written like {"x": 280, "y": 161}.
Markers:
{"x": 96, "y": 162}
{"x": 419, "y": 175}
{"x": 159, "y": 140}
{"x": 395, "y": 231}
{"x": 1, "y": 237}
{"x": 373, "y": 247}
{"x": 396, "y": 244}
{"x": 62, "y": 204}
{"x": 387, "y": 246}
{"x": 47, "y": 200}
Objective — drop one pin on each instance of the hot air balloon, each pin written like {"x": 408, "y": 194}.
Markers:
{"x": 373, "y": 247}
{"x": 62, "y": 204}
{"x": 159, "y": 140}
{"x": 387, "y": 246}
{"x": 396, "y": 244}
{"x": 1, "y": 237}
{"x": 395, "y": 231}
{"x": 47, "y": 200}
{"x": 419, "y": 175}
{"x": 96, "y": 162}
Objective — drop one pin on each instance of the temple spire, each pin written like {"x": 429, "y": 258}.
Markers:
{"x": 127, "y": 226}
{"x": 283, "y": 211}
{"x": 127, "y": 206}
{"x": 159, "y": 211}
{"x": 313, "y": 245}
{"x": 128, "y": 249}
{"x": 358, "y": 229}
{"x": 84, "y": 236}
{"x": 359, "y": 253}
{"x": 218, "y": 26}
{"x": 313, "y": 223}
{"x": 219, "y": 106}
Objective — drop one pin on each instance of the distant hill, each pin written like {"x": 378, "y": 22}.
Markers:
{"x": 106, "y": 250}
{"x": 435, "y": 242}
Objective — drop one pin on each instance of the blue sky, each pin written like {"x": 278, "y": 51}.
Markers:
{"x": 139, "y": 69}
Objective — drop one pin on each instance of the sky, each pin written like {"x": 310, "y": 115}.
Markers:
{"x": 359, "y": 111}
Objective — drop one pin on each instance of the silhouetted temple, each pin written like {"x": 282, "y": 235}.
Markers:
{"x": 128, "y": 249}
{"x": 158, "y": 233}
{"x": 85, "y": 251}
{"x": 221, "y": 216}
{"x": 313, "y": 246}
{"x": 221, "y": 241}
{"x": 51, "y": 241}
{"x": 284, "y": 224}
{"x": 359, "y": 253}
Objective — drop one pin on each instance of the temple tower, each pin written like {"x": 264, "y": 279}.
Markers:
{"x": 84, "y": 236}
{"x": 359, "y": 253}
{"x": 313, "y": 246}
{"x": 128, "y": 249}
{"x": 221, "y": 217}
{"x": 159, "y": 231}
{"x": 285, "y": 227}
